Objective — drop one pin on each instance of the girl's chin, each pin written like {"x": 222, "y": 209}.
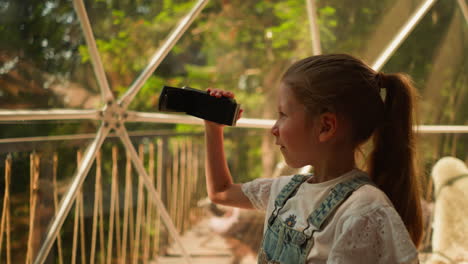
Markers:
{"x": 294, "y": 164}
{"x": 291, "y": 161}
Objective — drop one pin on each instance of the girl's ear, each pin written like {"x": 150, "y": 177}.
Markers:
{"x": 327, "y": 126}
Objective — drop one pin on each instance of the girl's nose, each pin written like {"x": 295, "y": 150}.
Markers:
{"x": 274, "y": 130}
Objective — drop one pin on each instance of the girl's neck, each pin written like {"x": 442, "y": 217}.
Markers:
{"x": 332, "y": 168}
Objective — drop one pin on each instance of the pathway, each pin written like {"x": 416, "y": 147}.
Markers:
{"x": 204, "y": 246}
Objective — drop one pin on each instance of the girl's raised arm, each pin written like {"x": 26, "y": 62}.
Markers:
{"x": 219, "y": 184}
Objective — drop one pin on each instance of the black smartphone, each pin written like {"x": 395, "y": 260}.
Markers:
{"x": 200, "y": 104}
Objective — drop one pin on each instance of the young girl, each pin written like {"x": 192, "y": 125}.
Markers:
{"x": 329, "y": 105}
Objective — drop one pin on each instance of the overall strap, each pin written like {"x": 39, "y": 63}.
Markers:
{"x": 288, "y": 190}
{"x": 337, "y": 196}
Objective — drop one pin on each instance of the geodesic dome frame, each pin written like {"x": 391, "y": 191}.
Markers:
{"x": 114, "y": 113}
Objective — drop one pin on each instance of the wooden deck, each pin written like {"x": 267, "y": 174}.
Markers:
{"x": 205, "y": 247}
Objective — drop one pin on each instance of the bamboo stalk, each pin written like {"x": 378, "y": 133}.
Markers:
{"x": 76, "y": 217}
{"x": 81, "y": 218}
{"x": 127, "y": 221}
{"x": 131, "y": 221}
{"x": 175, "y": 183}
{"x": 190, "y": 182}
{"x": 95, "y": 208}
{"x": 125, "y": 214}
{"x": 54, "y": 182}
{"x": 118, "y": 240}
{"x": 188, "y": 218}
{"x": 76, "y": 224}
{"x": 101, "y": 215}
{"x": 195, "y": 177}
{"x": 158, "y": 188}
{"x": 8, "y": 222}
{"x": 149, "y": 207}
{"x": 5, "y": 210}
{"x": 82, "y": 229}
{"x": 169, "y": 179}
{"x": 139, "y": 212}
{"x": 176, "y": 176}
{"x": 199, "y": 166}
{"x": 194, "y": 167}
{"x": 31, "y": 169}
{"x": 75, "y": 232}
{"x": 34, "y": 177}
{"x": 183, "y": 196}
{"x": 5, "y": 222}
{"x": 112, "y": 203}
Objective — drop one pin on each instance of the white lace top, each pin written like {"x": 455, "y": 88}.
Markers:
{"x": 365, "y": 228}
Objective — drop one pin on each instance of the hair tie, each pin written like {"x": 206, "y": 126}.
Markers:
{"x": 380, "y": 80}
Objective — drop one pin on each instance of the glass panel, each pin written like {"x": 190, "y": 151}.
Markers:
{"x": 129, "y": 32}
{"x": 364, "y": 28}
{"x": 242, "y": 46}
{"x": 237, "y": 46}
{"x": 40, "y": 61}
{"x": 434, "y": 55}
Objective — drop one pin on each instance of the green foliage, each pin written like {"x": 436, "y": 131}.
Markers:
{"x": 236, "y": 45}
{"x": 241, "y": 46}
{"x": 288, "y": 35}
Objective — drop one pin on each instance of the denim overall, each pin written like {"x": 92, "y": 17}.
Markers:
{"x": 285, "y": 245}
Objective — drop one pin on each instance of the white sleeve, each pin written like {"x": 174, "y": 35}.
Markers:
{"x": 258, "y": 192}
{"x": 376, "y": 237}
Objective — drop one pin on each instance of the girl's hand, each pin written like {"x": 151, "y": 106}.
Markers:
{"x": 218, "y": 94}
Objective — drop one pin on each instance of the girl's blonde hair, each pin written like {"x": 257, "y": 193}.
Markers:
{"x": 347, "y": 86}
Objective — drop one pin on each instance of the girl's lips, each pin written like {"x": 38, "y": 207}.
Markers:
{"x": 278, "y": 144}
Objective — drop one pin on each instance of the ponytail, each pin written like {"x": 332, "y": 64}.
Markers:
{"x": 392, "y": 161}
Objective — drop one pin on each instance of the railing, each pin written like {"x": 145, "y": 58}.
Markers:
{"x": 113, "y": 219}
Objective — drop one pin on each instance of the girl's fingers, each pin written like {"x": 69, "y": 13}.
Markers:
{"x": 240, "y": 114}
{"x": 220, "y": 93}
